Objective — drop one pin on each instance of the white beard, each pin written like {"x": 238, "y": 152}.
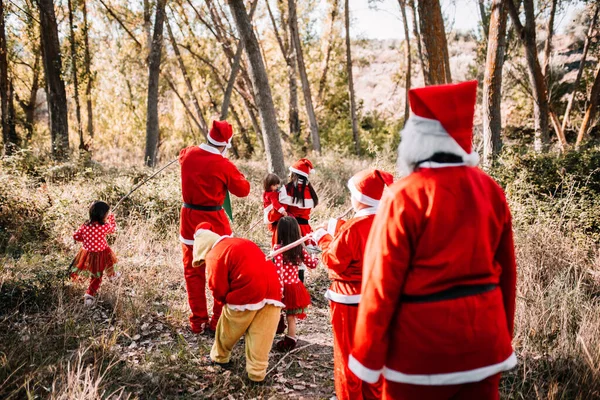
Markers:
{"x": 421, "y": 139}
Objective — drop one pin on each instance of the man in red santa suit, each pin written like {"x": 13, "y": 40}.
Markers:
{"x": 343, "y": 245}
{"x": 206, "y": 176}
{"x": 248, "y": 285}
{"x": 438, "y": 292}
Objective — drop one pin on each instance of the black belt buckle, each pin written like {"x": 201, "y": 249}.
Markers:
{"x": 202, "y": 208}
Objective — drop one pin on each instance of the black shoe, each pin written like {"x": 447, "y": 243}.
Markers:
{"x": 286, "y": 344}
{"x": 228, "y": 365}
{"x": 281, "y": 326}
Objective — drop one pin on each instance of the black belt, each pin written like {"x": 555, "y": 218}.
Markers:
{"x": 449, "y": 294}
{"x": 202, "y": 208}
{"x": 302, "y": 221}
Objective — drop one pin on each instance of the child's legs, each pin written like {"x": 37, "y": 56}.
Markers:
{"x": 94, "y": 286}
{"x": 231, "y": 327}
{"x": 259, "y": 340}
{"x": 291, "y": 321}
{"x": 195, "y": 282}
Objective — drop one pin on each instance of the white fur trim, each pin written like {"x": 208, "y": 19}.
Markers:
{"x": 364, "y": 373}
{"x": 366, "y": 211}
{"x": 255, "y": 306}
{"x": 331, "y": 225}
{"x": 220, "y": 239}
{"x": 210, "y": 149}
{"x": 451, "y": 378}
{"x": 320, "y": 234}
{"x": 342, "y": 298}
{"x": 359, "y": 196}
{"x": 266, "y": 211}
{"x": 288, "y": 200}
{"x": 189, "y": 242}
{"x": 281, "y": 210}
{"x": 422, "y": 138}
{"x": 304, "y": 174}
{"x": 217, "y": 143}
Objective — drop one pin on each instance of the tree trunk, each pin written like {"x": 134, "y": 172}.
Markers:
{"x": 152, "y": 129}
{"x": 492, "y": 83}
{"x": 295, "y": 39}
{"x": 586, "y": 47}
{"x": 88, "y": 73}
{"x": 536, "y": 77}
{"x": 13, "y": 142}
{"x": 351, "y": 80}
{"x": 407, "y": 58}
{"x": 57, "y": 97}
{"x": 417, "y": 35}
{"x": 148, "y": 25}
{"x": 592, "y": 109}
{"x": 264, "y": 99}
{"x": 485, "y": 19}
{"x": 548, "y": 44}
{"x": 330, "y": 41}
{"x": 75, "y": 74}
{"x": 4, "y": 92}
{"x": 434, "y": 38}
{"x": 188, "y": 83}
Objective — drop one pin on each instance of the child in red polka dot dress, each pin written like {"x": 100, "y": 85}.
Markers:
{"x": 95, "y": 259}
{"x": 295, "y": 296}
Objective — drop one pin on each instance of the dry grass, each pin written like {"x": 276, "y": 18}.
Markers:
{"x": 135, "y": 342}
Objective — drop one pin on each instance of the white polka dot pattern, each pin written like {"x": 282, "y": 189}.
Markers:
{"x": 93, "y": 236}
{"x": 288, "y": 272}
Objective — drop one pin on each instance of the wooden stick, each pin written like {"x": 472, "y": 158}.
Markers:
{"x": 289, "y": 246}
{"x": 287, "y": 354}
{"x": 251, "y": 228}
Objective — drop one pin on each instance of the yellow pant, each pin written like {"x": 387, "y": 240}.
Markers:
{"x": 258, "y": 326}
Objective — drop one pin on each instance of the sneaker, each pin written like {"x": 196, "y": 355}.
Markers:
{"x": 286, "y": 344}
{"x": 89, "y": 300}
{"x": 281, "y": 326}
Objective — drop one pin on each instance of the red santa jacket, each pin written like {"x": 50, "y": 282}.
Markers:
{"x": 343, "y": 255}
{"x": 206, "y": 176}
{"x": 440, "y": 228}
{"x": 272, "y": 208}
{"x": 297, "y": 209}
{"x": 239, "y": 275}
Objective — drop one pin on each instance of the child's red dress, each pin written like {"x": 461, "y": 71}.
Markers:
{"x": 295, "y": 296}
{"x": 272, "y": 212}
{"x": 95, "y": 257}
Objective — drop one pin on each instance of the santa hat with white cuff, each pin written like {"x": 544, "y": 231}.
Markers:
{"x": 302, "y": 167}
{"x": 441, "y": 122}
{"x": 368, "y": 186}
{"x": 220, "y": 134}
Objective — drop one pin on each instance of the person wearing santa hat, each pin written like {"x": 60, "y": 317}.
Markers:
{"x": 248, "y": 285}
{"x": 343, "y": 245}
{"x": 206, "y": 177}
{"x": 437, "y": 306}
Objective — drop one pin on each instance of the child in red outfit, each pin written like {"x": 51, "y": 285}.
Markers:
{"x": 272, "y": 208}
{"x": 95, "y": 257}
{"x": 295, "y": 296}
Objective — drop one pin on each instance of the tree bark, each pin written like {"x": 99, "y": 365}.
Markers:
{"x": 592, "y": 110}
{"x": 536, "y": 77}
{"x": 417, "y": 35}
{"x": 351, "y": 80}
{"x": 152, "y": 128}
{"x": 30, "y": 104}
{"x": 148, "y": 25}
{"x": 330, "y": 41}
{"x": 188, "y": 83}
{"x": 434, "y": 38}
{"x": 264, "y": 99}
{"x": 407, "y": 58}
{"x": 548, "y": 44}
{"x": 57, "y": 97}
{"x": 88, "y": 73}
{"x": 492, "y": 83}
{"x": 586, "y": 48}
{"x": 485, "y": 19}
{"x": 310, "y": 110}
{"x": 4, "y": 91}
{"x": 75, "y": 74}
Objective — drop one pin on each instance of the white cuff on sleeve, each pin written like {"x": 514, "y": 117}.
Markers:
{"x": 319, "y": 234}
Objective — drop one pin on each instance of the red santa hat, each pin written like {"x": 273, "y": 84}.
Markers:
{"x": 220, "y": 134}
{"x": 368, "y": 186}
{"x": 440, "y": 113}
{"x": 302, "y": 167}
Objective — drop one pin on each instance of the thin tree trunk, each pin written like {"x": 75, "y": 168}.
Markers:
{"x": 88, "y": 73}
{"x": 586, "y": 47}
{"x": 14, "y": 142}
{"x": 57, "y": 97}
{"x": 264, "y": 99}
{"x": 148, "y": 25}
{"x": 492, "y": 83}
{"x": 434, "y": 38}
{"x": 29, "y": 106}
{"x": 417, "y": 35}
{"x": 330, "y": 42}
{"x": 592, "y": 109}
{"x": 188, "y": 83}
{"x": 235, "y": 68}
{"x": 351, "y": 80}
{"x": 407, "y": 58}
{"x": 485, "y": 19}
{"x": 4, "y": 92}
{"x": 75, "y": 74}
{"x": 310, "y": 110}
{"x": 536, "y": 77}
{"x": 116, "y": 18}
{"x": 548, "y": 44}
{"x": 152, "y": 129}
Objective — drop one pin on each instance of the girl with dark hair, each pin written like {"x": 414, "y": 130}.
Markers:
{"x": 273, "y": 210}
{"x": 295, "y": 295}
{"x": 299, "y": 196}
{"x": 95, "y": 257}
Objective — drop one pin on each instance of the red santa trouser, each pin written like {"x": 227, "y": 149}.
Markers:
{"x": 347, "y": 385}
{"x": 487, "y": 389}
{"x": 195, "y": 282}
{"x": 94, "y": 286}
